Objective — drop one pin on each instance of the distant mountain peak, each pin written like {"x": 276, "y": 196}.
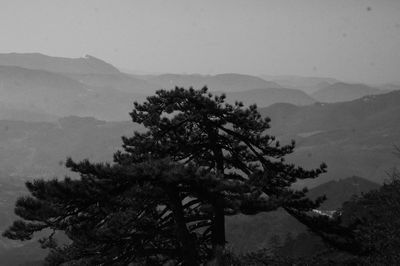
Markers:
{"x": 85, "y": 65}
{"x": 93, "y": 58}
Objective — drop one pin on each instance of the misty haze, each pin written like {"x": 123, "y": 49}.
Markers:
{"x": 199, "y": 132}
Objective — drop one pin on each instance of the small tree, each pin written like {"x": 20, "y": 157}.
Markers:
{"x": 376, "y": 215}
{"x": 223, "y": 163}
{"x": 366, "y": 227}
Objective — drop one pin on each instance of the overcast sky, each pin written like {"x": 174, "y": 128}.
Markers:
{"x": 350, "y": 40}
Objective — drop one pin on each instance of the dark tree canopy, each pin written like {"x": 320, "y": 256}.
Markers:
{"x": 167, "y": 193}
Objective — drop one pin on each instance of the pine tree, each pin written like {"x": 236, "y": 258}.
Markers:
{"x": 172, "y": 186}
{"x": 228, "y": 140}
{"x": 366, "y": 228}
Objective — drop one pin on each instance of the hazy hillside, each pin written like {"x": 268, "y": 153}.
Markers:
{"x": 341, "y": 92}
{"x": 86, "y": 65}
{"x": 55, "y": 94}
{"x": 118, "y": 81}
{"x": 36, "y": 149}
{"x": 389, "y": 87}
{"x": 10, "y": 112}
{"x": 353, "y": 138}
{"x": 269, "y": 96}
{"x": 221, "y": 82}
{"x": 245, "y": 88}
{"x": 41, "y": 90}
{"x": 306, "y": 84}
{"x": 339, "y": 191}
{"x": 367, "y": 111}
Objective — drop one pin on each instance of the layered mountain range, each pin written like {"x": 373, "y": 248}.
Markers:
{"x": 341, "y": 92}
{"x": 45, "y": 88}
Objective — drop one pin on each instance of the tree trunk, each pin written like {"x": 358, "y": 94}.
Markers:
{"x": 218, "y": 234}
{"x": 188, "y": 247}
{"x": 218, "y": 223}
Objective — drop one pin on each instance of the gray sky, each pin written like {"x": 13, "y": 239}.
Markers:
{"x": 346, "y": 39}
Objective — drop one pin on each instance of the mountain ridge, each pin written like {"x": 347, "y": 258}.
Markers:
{"x": 307, "y": 84}
{"x": 60, "y": 95}
{"x": 227, "y": 82}
{"x": 354, "y": 138}
{"x": 86, "y": 65}
{"x": 268, "y": 96}
{"x": 341, "y": 92}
